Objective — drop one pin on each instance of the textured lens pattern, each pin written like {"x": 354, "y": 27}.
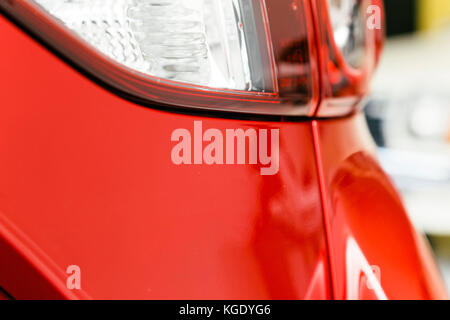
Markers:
{"x": 194, "y": 41}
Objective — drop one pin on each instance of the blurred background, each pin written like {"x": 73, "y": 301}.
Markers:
{"x": 409, "y": 115}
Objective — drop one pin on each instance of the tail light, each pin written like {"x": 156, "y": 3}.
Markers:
{"x": 350, "y": 42}
{"x": 250, "y": 56}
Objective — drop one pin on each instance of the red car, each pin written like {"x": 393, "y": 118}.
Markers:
{"x": 175, "y": 149}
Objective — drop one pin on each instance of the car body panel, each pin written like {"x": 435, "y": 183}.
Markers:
{"x": 87, "y": 180}
{"x": 370, "y": 234}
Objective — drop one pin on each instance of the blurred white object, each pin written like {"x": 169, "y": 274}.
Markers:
{"x": 413, "y": 83}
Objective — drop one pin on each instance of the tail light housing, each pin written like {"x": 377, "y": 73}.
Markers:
{"x": 350, "y": 46}
{"x": 247, "y": 56}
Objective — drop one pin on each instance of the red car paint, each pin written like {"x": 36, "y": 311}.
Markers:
{"x": 86, "y": 179}
{"x": 366, "y": 221}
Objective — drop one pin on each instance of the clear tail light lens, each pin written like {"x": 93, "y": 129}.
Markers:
{"x": 202, "y": 42}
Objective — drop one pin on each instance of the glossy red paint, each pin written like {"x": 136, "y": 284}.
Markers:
{"x": 367, "y": 223}
{"x": 87, "y": 180}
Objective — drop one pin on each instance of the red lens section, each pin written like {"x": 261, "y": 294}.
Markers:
{"x": 292, "y": 34}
